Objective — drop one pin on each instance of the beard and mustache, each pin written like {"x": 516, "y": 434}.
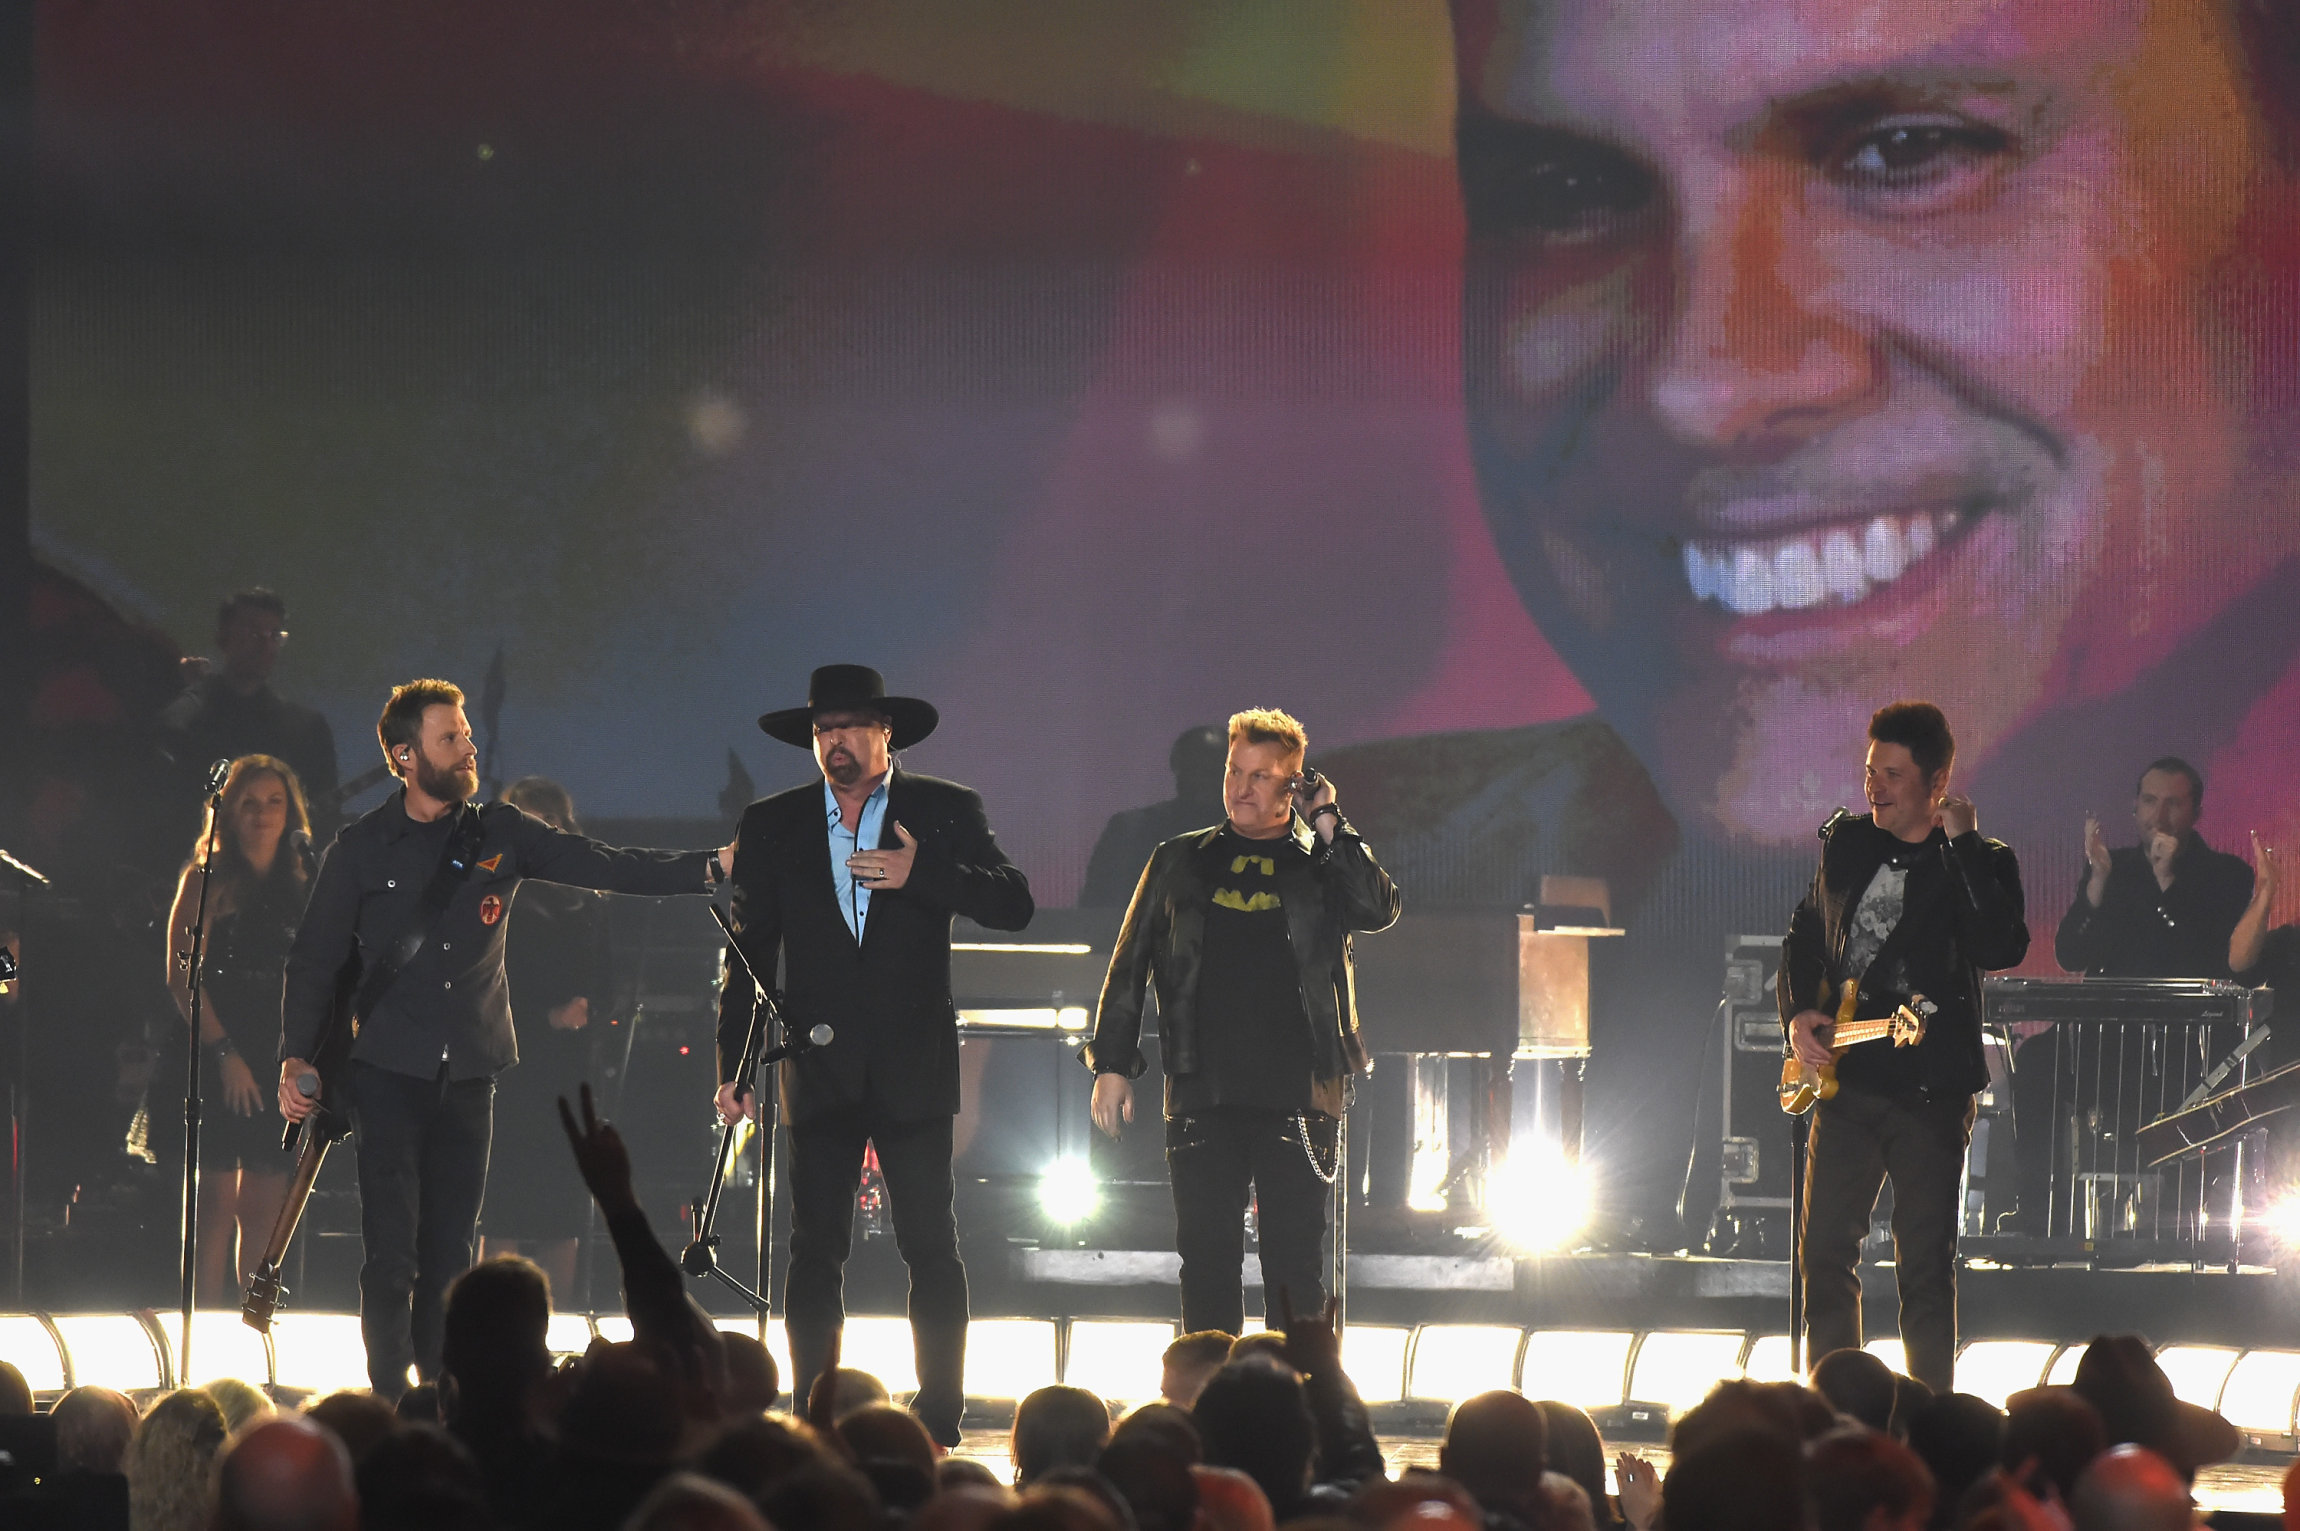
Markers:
{"x": 451, "y": 784}
{"x": 842, "y": 767}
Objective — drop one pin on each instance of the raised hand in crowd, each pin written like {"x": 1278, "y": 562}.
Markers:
{"x": 600, "y": 1155}
{"x": 1313, "y": 1343}
{"x": 1640, "y": 1490}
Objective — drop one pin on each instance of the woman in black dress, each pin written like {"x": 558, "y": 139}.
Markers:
{"x": 557, "y": 961}
{"x": 254, "y": 904}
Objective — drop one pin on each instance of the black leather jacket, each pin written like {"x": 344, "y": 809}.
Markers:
{"x": 1964, "y": 916}
{"x": 1343, "y": 889}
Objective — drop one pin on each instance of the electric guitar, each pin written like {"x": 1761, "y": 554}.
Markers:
{"x": 309, "y": 1139}
{"x": 1803, "y": 1087}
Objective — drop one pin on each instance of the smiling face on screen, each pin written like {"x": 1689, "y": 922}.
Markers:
{"x": 1826, "y": 350}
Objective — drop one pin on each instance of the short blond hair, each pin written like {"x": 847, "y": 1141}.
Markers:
{"x": 1269, "y": 725}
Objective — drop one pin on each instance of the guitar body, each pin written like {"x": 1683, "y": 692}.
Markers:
{"x": 1803, "y": 1087}
{"x": 309, "y": 1140}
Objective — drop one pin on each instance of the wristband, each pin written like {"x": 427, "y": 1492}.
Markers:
{"x": 1322, "y": 810}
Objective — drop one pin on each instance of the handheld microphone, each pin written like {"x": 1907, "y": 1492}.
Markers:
{"x": 820, "y": 1036}
{"x": 307, "y": 1085}
{"x": 300, "y": 842}
{"x": 217, "y": 771}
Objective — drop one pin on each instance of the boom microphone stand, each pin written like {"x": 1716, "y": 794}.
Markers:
{"x": 193, "y": 961}
{"x": 700, "y": 1258}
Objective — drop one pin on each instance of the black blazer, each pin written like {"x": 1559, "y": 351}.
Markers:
{"x": 888, "y": 999}
{"x": 1964, "y": 915}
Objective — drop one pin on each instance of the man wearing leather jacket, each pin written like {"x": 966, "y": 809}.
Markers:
{"x": 1911, "y": 905}
{"x": 1244, "y": 928}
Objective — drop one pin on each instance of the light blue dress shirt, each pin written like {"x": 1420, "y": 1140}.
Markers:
{"x": 854, "y": 897}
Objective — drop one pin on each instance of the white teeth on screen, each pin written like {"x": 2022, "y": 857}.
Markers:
{"x": 1841, "y": 564}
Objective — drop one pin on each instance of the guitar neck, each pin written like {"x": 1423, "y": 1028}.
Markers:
{"x": 1853, "y": 1033}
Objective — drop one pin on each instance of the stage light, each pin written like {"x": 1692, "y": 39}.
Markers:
{"x": 614, "y": 1328}
{"x": 568, "y": 1334}
{"x": 1456, "y": 1361}
{"x": 1582, "y": 1367}
{"x": 881, "y": 1346}
{"x": 1997, "y": 1369}
{"x": 1069, "y": 1191}
{"x": 111, "y": 1350}
{"x": 2260, "y": 1391}
{"x": 2281, "y": 1220}
{"x": 1677, "y": 1369}
{"x": 1769, "y": 1360}
{"x": 222, "y": 1346}
{"x": 29, "y": 1346}
{"x": 1893, "y": 1353}
{"x": 2063, "y": 1369}
{"x": 318, "y": 1352}
{"x": 1538, "y": 1201}
{"x": 1009, "y": 1357}
{"x": 1118, "y": 1361}
{"x": 1375, "y": 1357}
{"x": 2197, "y": 1372}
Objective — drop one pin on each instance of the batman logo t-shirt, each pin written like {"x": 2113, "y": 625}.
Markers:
{"x": 1253, "y": 1034}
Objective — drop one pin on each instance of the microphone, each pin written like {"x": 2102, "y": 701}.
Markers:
{"x": 1829, "y": 825}
{"x": 300, "y": 841}
{"x": 217, "y": 771}
{"x": 307, "y": 1085}
{"x": 819, "y": 1036}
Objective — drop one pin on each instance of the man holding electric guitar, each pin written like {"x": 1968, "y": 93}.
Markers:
{"x": 397, "y": 1018}
{"x": 1910, "y": 906}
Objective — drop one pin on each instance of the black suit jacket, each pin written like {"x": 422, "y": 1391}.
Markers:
{"x": 888, "y": 999}
{"x": 1964, "y": 916}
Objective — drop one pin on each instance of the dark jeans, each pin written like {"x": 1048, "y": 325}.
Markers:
{"x": 1214, "y": 1158}
{"x": 826, "y": 1173}
{"x": 1860, "y": 1140}
{"x": 422, "y": 1173}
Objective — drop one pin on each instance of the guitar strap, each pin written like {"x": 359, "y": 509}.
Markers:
{"x": 454, "y": 866}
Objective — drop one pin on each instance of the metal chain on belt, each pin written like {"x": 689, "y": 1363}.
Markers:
{"x": 1324, "y": 1171}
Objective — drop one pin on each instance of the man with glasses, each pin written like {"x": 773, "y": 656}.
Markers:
{"x": 854, "y": 883}
{"x": 231, "y": 710}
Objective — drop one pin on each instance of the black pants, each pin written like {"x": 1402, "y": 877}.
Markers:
{"x": 1214, "y": 1158}
{"x": 1861, "y": 1140}
{"x": 422, "y": 1173}
{"x": 826, "y": 1172}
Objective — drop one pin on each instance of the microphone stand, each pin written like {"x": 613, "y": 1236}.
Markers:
{"x": 195, "y": 959}
{"x": 700, "y": 1258}
{"x": 20, "y": 1084}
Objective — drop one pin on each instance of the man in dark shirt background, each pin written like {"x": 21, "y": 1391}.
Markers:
{"x": 2164, "y": 907}
{"x": 1245, "y": 929}
{"x": 419, "y": 1084}
{"x": 1131, "y": 835}
{"x": 234, "y": 711}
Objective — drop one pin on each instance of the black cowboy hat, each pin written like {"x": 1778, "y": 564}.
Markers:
{"x": 851, "y": 688}
{"x": 2119, "y": 1377}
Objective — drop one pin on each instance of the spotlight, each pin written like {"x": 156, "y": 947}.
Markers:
{"x": 1538, "y": 1201}
{"x": 1116, "y": 1359}
{"x": 1009, "y": 1357}
{"x": 2280, "y": 1220}
{"x": 1069, "y": 1191}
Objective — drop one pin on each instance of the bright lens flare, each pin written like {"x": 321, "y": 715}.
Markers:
{"x": 2281, "y": 1220}
{"x": 1538, "y": 1201}
{"x": 1069, "y": 1191}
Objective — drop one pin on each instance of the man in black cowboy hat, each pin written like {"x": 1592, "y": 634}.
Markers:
{"x": 856, "y": 883}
